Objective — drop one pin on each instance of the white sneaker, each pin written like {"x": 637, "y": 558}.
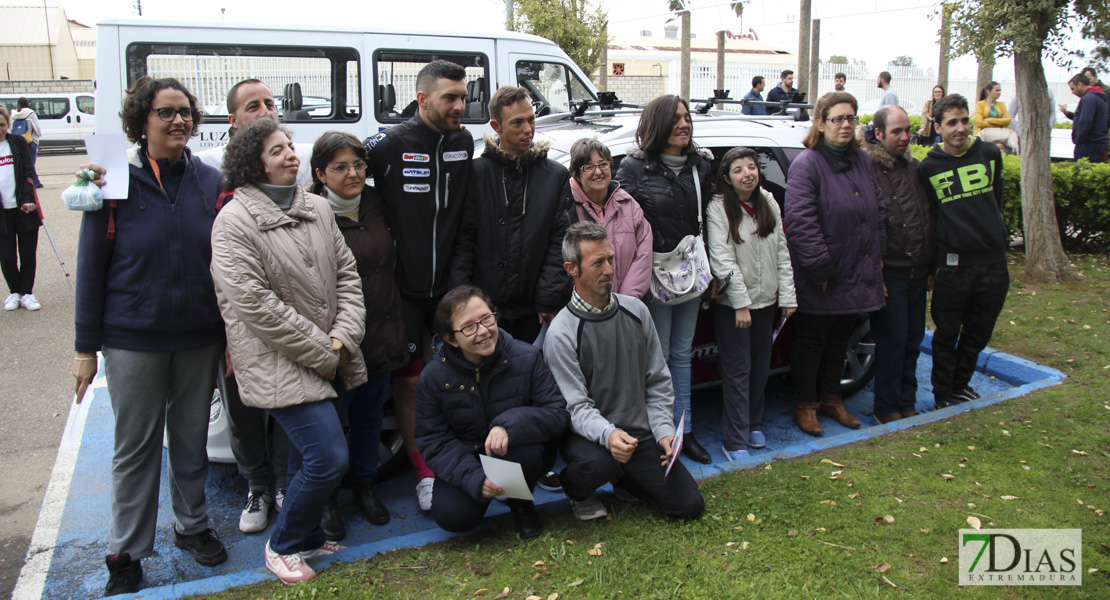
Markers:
{"x": 589, "y": 509}
{"x": 289, "y": 568}
{"x": 424, "y": 492}
{"x": 256, "y": 514}
{"x": 326, "y": 549}
{"x": 12, "y": 302}
{"x": 28, "y": 301}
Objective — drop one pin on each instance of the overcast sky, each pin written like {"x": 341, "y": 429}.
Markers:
{"x": 871, "y": 30}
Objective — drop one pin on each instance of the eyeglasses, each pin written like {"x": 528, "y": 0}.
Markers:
{"x": 603, "y": 165}
{"x": 488, "y": 321}
{"x": 343, "y": 169}
{"x": 839, "y": 119}
{"x": 166, "y": 113}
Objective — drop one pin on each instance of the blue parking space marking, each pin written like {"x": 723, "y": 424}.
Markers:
{"x": 67, "y": 553}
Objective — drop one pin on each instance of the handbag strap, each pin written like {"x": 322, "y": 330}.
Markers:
{"x": 697, "y": 192}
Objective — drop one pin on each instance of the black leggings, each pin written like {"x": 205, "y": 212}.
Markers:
{"x": 19, "y": 269}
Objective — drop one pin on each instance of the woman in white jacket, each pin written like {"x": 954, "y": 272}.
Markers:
{"x": 747, "y": 247}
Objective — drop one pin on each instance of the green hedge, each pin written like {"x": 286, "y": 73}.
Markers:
{"x": 1082, "y": 194}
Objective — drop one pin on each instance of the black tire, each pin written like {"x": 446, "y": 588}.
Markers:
{"x": 859, "y": 364}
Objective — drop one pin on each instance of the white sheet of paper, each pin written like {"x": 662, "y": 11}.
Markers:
{"x": 109, "y": 150}
{"x": 507, "y": 475}
{"x": 676, "y": 443}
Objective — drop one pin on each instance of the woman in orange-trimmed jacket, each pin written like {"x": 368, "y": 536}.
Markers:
{"x": 992, "y": 119}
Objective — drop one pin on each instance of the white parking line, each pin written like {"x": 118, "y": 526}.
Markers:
{"x": 32, "y": 578}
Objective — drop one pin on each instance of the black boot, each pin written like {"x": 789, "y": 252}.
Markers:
{"x": 527, "y": 520}
{"x": 367, "y": 495}
{"x": 124, "y": 574}
{"x": 330, "y": 522}
{"x": 692, "y": 449}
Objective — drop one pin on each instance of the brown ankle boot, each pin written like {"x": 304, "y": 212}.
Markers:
{"x": 833, "y": 406}
{"x": 805, "y": 415}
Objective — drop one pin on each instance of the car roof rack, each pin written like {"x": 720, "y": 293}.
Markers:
{"x": 606, "y": 101}
{"x": 721, "y": 97}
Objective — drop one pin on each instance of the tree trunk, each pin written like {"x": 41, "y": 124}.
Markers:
{"x": 986, "y": 72}
{"x": 684, "y": 90}
{"x": 945, "y": 47}
{"x": 801, "y": 74}
{"x": 720, "y": 60}
{"x": 1045, "y": 261}
{"x": 814, "y": 60}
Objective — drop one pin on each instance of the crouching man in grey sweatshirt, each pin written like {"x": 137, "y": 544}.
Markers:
{"x": 604, "y": 352}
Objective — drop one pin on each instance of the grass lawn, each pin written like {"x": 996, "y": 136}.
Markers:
{"x": 796, "y": 529}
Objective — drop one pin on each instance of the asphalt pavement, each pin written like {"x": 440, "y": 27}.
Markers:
{"x": 36, "y": 387}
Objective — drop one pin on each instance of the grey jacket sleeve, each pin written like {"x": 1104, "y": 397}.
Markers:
{"x": 560, "y": 350}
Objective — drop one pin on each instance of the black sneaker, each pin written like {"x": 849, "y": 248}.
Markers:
{"x": 965, "y": 395}
{"x": 550, "y": 482}
{"x": 124, "y": 574}
{"x": 205, "y": 546}
{"x": 527, "y": 520}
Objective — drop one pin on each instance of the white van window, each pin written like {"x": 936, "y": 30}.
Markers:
{"x": 86, "y": 104}
{"x": 309, "y": 84}
{"x": 50, "y": 108}
{"x": 553, "y": 86}
{"x": 395, "y": 74}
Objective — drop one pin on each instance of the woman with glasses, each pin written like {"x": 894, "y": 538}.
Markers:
{"x": 928, "y": 135}
{"x": 484, "y": 393}
{"x": 290, "y": 294}
{"x": 669, "y": 176}
{"x": 339, "y": 173}
{"x": 145, "y": 300}
{"x": 599, "y": 198}
{"x": 835, "y": 233}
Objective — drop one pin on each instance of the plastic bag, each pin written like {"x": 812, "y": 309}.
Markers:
{"x": 84, "y": 194}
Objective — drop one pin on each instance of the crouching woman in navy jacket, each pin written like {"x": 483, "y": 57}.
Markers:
{"x": 484, "y": 393}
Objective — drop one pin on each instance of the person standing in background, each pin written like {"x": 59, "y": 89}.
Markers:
{"x": 24, "y": 111}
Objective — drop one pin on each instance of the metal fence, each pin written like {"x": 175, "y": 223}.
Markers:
{"x": 913, "y": 85}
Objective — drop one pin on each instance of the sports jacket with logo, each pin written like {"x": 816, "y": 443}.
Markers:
{"x": 422, "y": 176}
{"x": 966, "y": 195}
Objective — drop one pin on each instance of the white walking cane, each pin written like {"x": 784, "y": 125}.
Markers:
{"x": 38, "y": 207}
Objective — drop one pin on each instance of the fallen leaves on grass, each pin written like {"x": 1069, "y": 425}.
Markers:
{"x": 504, "y": 593}
{"x": 947, "y": 476}
{"x": 829, "y": 462}
{"x": 596, "y": 550}
{"x": 889, "y": 582}
{"x": 576, "y": 583}
{"x": 538, "y": 563}
{"x": 792, "y": 533}
{"x": 1009, "y": 497}
{"x": 883, "y": 568}
{"x": 975, "y": 522}
{"x": 944, "y": 560}
{"x": 481, "y": 592}
{"x": 751, "y": 517}
{"x": 1079, "y": 452}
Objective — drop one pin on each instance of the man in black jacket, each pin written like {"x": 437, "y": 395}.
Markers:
{"x": 963, "y": 179}
{"x": 420, "y": 168}
{"x": 908, "y": 260}
{"x": 518, "y": 206}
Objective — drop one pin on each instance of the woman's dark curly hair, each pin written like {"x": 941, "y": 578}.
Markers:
{"x": 243, "y": 156}
{"x": 140, "y": 100}
{"x": 325, "y": 149}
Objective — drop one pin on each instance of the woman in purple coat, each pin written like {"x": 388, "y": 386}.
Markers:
{"x": 834, "y": 228}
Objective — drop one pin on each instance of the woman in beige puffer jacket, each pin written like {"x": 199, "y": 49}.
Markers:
{"x": 292, "y": 303}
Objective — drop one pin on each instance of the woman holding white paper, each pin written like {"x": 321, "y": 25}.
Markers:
{"x": 484, "y": 393}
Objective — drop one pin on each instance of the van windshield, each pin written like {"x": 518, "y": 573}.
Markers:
{"x": 553, "y": 86}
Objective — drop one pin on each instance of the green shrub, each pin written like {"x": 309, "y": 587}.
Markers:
{"x": 1082, "y": 201}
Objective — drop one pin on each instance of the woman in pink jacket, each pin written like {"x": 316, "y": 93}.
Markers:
{"x": 599, "y": 199}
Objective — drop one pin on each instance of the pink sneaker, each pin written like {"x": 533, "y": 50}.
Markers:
{"x": 326, "y": 549}
{"x": 289, "y": 568}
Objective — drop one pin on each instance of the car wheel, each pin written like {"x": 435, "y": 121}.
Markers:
{"x": 859, "y": 364}
{"x": 391, "y": 446}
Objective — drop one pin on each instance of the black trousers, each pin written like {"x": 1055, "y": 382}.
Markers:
{"x": 817, "y": 354}
{"x": 966, "y": 304}
{"x": 745, "y": 365}
{"x": 455, "y": 510}
{"x": 251, "y": 439}
{"x": 590, "y": 466}
{"x": 18, "y": 249}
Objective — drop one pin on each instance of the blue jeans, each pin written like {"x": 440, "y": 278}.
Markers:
{"x": 362, "y": 409}
{"x": 317, "y": 462}
{"x": 1092, "y": 152}
{"x": 34, "y": 159}
{"x": 898, "y": 329}
{"x": 675, "y": 325}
